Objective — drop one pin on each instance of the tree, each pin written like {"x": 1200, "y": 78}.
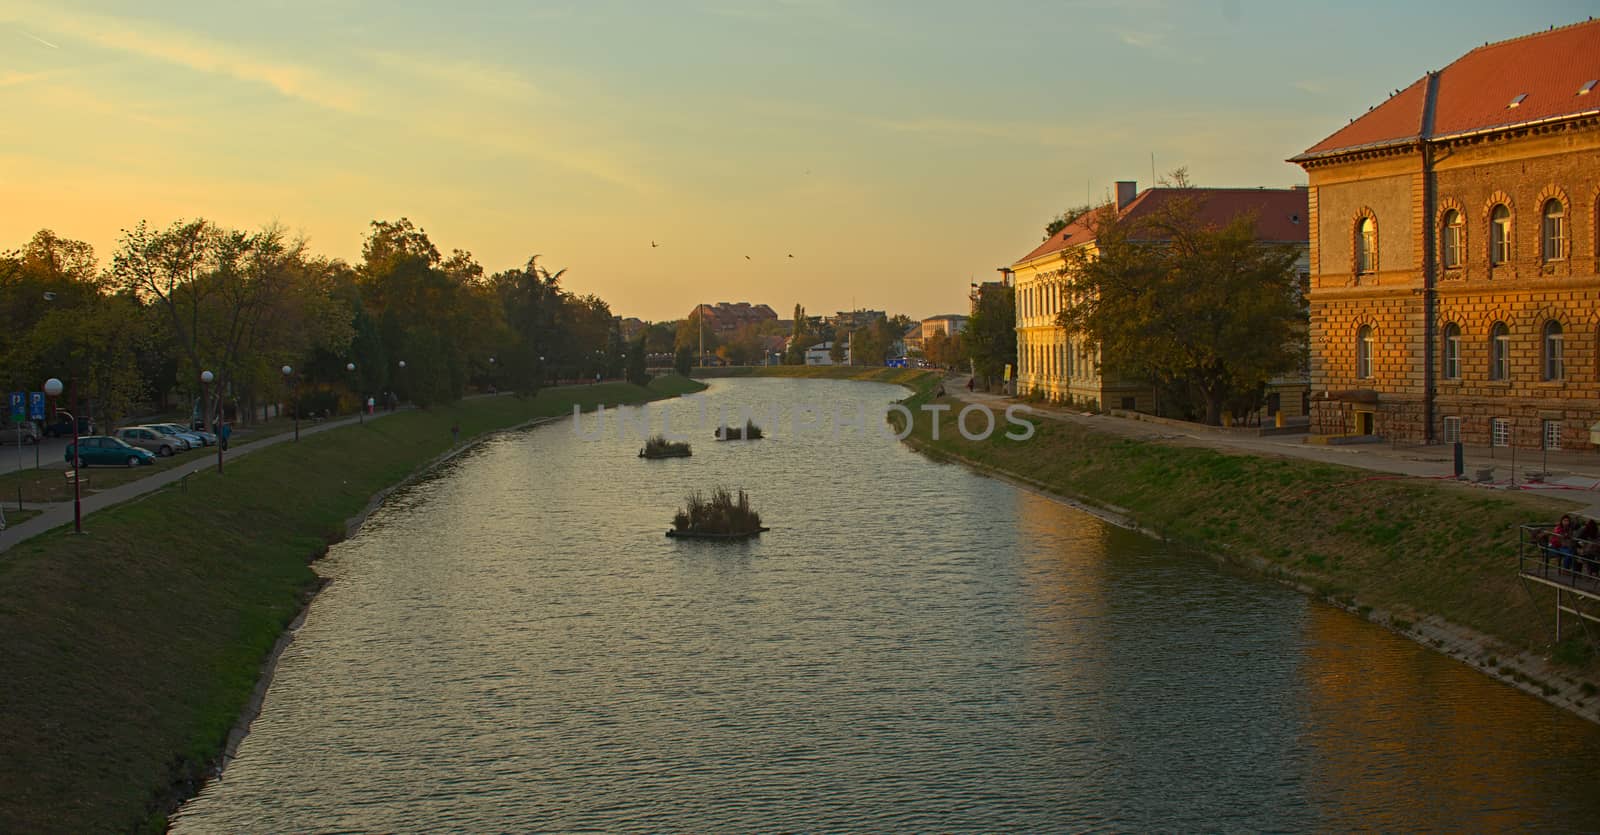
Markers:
{"x": 637, "y": 357}
{"x": 990, "y": 342}
{"x": 941, "y": 350}
{"x": 1172, "y": 301}
{"x": 839, "y": 351}
{"x": 800, "y": 338}
{"x": 683, "y": 361}
{"x": 1065, "y": 219}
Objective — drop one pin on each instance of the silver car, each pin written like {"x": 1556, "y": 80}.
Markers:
{"x": 195, "y": 437}
{"x": 26, "y": 432}
{"x": 153, "y": 440}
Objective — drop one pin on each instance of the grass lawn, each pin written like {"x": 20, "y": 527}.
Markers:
{"x": 130, "y": 652}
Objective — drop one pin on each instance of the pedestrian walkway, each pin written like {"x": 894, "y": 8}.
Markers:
{"x": 1571, "y": 476}
{"x": 57, "y": 514}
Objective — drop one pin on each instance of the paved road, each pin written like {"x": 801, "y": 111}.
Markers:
{"x": 49, "y": 450}
{"x": 1571, "y": 476}
{"x": 56, "y": 515}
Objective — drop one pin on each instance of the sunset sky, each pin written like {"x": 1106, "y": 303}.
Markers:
{"x": 896, "y": 150}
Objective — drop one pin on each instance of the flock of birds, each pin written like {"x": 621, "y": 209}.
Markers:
{"x": 653, "y": 245}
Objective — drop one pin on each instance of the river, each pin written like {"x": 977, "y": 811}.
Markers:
{"x": 513, "y": 645}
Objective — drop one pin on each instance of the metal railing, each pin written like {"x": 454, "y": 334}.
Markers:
{"x": 1567, "y": 559}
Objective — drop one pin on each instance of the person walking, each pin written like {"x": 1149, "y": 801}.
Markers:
{"x": 223, "y": 434}
{"x": 455, "y": 433}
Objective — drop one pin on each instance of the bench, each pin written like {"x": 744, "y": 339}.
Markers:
{"x": 73, "y": 477}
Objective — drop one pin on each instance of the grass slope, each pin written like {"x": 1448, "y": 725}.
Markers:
{"x": 129, "y": 653}
{"x": 1409, "y": 546}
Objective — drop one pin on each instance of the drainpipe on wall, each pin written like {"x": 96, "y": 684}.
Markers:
{"x": 1430, "y": 271}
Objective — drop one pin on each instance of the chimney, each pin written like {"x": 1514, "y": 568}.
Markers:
{"x": 1126, "y": 191}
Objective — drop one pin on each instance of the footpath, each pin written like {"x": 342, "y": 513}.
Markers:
{"x": 1570, "y": 476}
{"x": 56, "y": 514}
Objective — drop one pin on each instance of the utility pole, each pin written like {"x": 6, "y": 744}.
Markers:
{"x": 700, "y": 314}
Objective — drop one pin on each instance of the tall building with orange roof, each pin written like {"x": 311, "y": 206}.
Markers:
{"x": 1454, "y": 233}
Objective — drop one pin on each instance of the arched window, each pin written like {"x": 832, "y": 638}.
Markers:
{"x": 1452, "y": 351}
{"x": 1499, "y": 352}
{"x": 1500, "y": 234}
{"x": 1555, "y": 230}
{"x": 1554, "y": 366}
{"x": 1452, "y": 240}
{"x": 1364, "y": 352}
{"x": 1367, "y": 246}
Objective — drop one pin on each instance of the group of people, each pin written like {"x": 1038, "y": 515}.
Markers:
{"x": 1577, "y": 545}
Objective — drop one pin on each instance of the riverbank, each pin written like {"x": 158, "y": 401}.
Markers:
{"x": 1429, "y": 559}
{"x": 911, "y": 377}
{"x": 131, "y": 652}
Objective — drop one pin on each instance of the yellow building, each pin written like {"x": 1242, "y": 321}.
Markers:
{"x": 1454, "y": 293}
{"x": 1064, "y": 367}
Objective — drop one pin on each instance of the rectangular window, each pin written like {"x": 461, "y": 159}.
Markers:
{"x": 1500, "y": 432}
{"x": 1552, "y": 434}
{"x": 1452, "y": 430}
{"x": 1452, "y": 246}
{"x": 1452, "y": 356}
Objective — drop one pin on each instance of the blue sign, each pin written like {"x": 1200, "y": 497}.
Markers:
{"x": 899, "y": 362}
{"x": 16, "y": 406}
{"x": 36, "y": 405}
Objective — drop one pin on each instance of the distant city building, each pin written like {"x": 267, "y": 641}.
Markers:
{"x": 948, "y": 324}
{"x": 1066, "y": 367}
{"x": 1454, "y": 253}
{"x": 820, "y": 354}
{"x": 856, "y": 319}
{"x": 728, "y": 317}
{"x": 631, "y": 327}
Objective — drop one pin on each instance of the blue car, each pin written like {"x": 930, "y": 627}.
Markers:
{"x": 113, "y": 452}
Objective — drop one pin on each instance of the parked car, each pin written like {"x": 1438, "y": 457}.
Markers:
{"x": 26, "y": 432}
{"x": 104, "y": 449}
{"x": 159, "y": 443}
{"x": 195, "y": 437}
{"x": 61, "y": 427}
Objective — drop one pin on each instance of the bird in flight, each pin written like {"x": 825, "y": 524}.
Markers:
{"x": 653, "y": 244}
{"x": 791, "y": 255}
{"x": 747, "y": 258}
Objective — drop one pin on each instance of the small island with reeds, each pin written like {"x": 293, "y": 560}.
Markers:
{"x": 722, "y": 516}
{"x": 749, "y": 432}
{"x": 659, "y": 447}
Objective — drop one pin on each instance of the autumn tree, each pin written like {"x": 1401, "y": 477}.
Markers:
{"x": 990, "y": 342}
{"x": 1176, "y": 302}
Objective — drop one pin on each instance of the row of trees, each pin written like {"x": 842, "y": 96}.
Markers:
{"x": 198, "y": 296}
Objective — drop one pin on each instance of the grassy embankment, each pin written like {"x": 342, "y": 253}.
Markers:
{"x": 129, "y": 653}
{"x": 1408, "y": 547}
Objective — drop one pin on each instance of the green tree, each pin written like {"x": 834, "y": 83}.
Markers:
{"x": 1065, "y": 219}
{"x": 1173, "y": 301}
{"x": 683, "y": 360}
{"x": 990, "y": 341}
{"x": 638, "y": 356}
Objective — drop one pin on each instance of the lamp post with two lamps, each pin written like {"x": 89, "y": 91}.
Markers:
{"x": 53, "y": 388}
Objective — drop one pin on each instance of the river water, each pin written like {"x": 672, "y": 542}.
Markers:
{"x": 513, "y": 645}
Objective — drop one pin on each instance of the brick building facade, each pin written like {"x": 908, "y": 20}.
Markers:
{"x": 1454, "y": 290}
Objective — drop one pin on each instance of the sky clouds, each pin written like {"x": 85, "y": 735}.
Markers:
{"x": 898, "y": 149}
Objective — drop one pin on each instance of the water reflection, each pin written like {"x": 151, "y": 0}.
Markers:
{"x": 514, "y": 645}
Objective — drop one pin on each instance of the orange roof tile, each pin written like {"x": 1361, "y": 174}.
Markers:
{"x": 1280, "y": 214}
{"x": 1475, "y": 93}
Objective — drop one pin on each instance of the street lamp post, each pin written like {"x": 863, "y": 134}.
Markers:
{"x": 361, "y": 408}
{"x": 54, "y": 388}
{"x": 402, "y": 382}
{"x": 205, "y": 382}
{"x": 294, "y": 391}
